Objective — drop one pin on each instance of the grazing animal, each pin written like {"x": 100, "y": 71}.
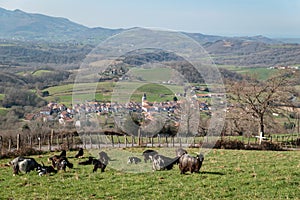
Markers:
{"x": 60, "y": 163}
{"x": 103, "y": 157}
{"x": 134, "y": 160}
{"x": 43, "y": 170}
{"x": 98, "y": 164}
{"x": 190, "y": 163}
{"x": 63, "y": 153}
{"x": 87, "y": 162}
{"x": 160, "y": 162}
{"x": 22, "y": 164}
{"x": 148, "y": 154}
{"x": 80, "y": 153}
{"x": 101, "y": 162}
{"x": 180, "y": 151}
{"x": 56, "y": 157}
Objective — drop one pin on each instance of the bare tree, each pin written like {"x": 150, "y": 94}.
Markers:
{"x": 260, "y": 99}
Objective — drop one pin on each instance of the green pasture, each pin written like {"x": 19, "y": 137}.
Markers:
{"x": 2, "y": 96}
{"x": 261, "y": 73}
{"x": 225, "y": 174}
{"x": 3, "y": 111}
{"x": 41, "y": 72}
{"x": 153, "y": 74}
{"x": 106, "y": 91}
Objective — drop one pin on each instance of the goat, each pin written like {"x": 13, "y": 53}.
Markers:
{"x": 80, "y": 153}
{"x": 160, "y": 162}
{"x": 25, "y": 165}
{"x": 56, "y": 157}
{"x": 190, "y": 163}
{"x": 43, "y": 170}
{"x": 134, "y": 160}
{"x": 60, "y": 163}
{"x": 101, "y": 162}
{"x": 180, "y": 151}
{"x": 103, "y": 157}
{"x": 148, "y": 154}
{"x": 98, "y": 164}
{"x": 63, "y": 153}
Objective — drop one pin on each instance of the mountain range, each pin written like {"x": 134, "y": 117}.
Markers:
{"x": 26, "y": 31}
{"x": 19, "y": 25}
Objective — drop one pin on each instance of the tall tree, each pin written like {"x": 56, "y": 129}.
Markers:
{"x": 262, "y": 98}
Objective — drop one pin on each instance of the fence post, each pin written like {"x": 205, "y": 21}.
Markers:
{"x": 158, "y": 137}
{"x": 51, "y": 136}
{"x": 173, "y": 142}
{"x": 18, "y": 141}
{"x": 1, "y": 143}
{"x": 49, "y": 143}
{"x": 73, "y": 141}
{"x": 30, "y": 141}
{"x": 91, "y": 141}
{"x": 167, "y": 141}
{"x": 9, "y": 144}
{"x": 119, "y": 143}
{"x": 152, "y": 141}
{"x": 40, "y": 145}
{"x": 194, "y": 141}
{"x": 180, "y": 143}
{"x": 139, "y": 136}
{"x": 112, "y": 140}
{"x": 98, "y": 139}
{"x": 132, "y": 140}
{"x": 84, "y": 141}
{"x": 125, "y": 141}
{"x": 57, "y": 141}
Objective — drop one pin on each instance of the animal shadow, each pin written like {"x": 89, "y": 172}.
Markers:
{"x": 212, "y": 173}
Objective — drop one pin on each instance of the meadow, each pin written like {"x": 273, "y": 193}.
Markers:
{"x": 225, "y": 174}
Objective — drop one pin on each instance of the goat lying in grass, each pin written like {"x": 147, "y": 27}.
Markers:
{"x": 22, "y": 164}
{"x": 43, "y": 170}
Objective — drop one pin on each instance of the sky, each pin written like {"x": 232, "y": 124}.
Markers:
{"x": 271, "y": 18}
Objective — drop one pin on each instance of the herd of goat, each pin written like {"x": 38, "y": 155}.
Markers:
{"x": 185, "y": 162}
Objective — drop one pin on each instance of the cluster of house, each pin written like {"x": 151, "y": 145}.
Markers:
{"x": 56, "y": 111}
{"x": 284, "y": 67}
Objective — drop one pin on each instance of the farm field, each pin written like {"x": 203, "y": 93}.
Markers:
{"x": 225, "y": 174}
{"x": 103, "y": 91}
{"x": 261, "y": 73}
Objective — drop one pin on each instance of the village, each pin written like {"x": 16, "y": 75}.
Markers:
{"x": 58, "y": 112}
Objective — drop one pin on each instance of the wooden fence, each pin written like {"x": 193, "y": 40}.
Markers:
{"x": 89, "y": 141}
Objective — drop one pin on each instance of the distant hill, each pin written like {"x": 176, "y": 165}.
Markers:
{"x": 19, "y": 25}
{"x": 21, "y": 34}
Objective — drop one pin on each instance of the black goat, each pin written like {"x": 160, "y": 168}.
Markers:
{"x": 98, "y": 164}
{"x": 43, "y": 170}
{"x": 148, "y": 154}
{"x": 80, "y": 153}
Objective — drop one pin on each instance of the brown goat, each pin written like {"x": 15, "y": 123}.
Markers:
{"x": 190, "y": 163}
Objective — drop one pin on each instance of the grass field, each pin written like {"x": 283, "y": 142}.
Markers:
{"x": 2, "y": 96}
{"x": 103, "y": 91}
{"x": 262, "y": 73}
{"x": 225, "y": 174}
{"x": 40, "y": 72}
{"x": 3, "y": 111}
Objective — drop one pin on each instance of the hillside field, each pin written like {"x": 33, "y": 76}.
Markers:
{"x": 225, "y": 174}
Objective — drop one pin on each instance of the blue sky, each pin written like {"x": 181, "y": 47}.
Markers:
{"x": 273, "y": 18}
